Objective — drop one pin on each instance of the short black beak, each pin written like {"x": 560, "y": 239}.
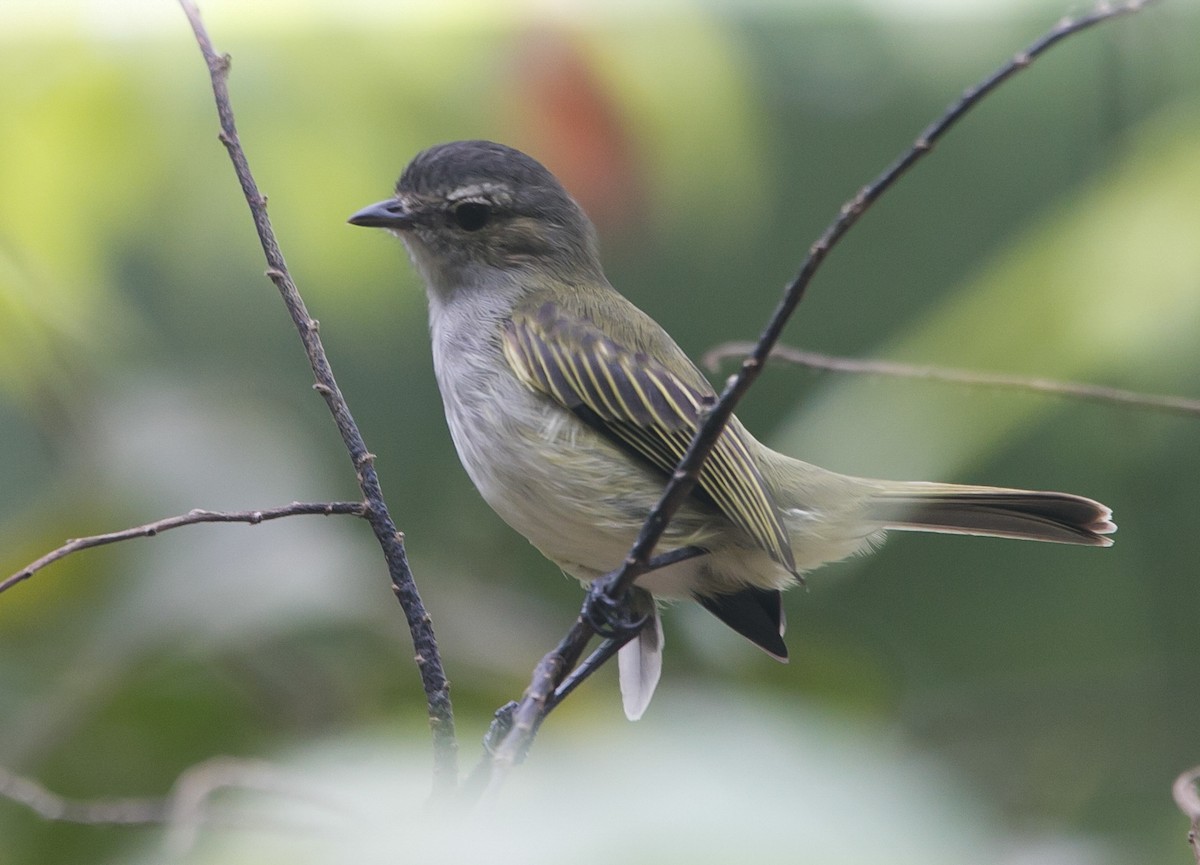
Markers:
{"x": 392, "y": 213}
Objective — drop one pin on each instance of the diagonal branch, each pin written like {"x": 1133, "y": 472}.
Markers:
{"x": 429, "y": 663}
{"x": 895, "y": 369}
{"x": 191, "y": 518}
{"x": 528, "y": 713}
{"x": 686, "y": 474}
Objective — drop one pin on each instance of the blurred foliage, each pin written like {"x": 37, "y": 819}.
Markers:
{"x": 1003, "y": 702}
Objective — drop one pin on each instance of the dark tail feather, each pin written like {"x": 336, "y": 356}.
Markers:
{"x": 756, "y": 614}
{"x": 1037, "y": 516}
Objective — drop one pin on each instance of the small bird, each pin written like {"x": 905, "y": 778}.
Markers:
{"x": 569, "y": 408}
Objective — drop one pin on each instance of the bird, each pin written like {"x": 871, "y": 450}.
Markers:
{"x": 570, "y": 408}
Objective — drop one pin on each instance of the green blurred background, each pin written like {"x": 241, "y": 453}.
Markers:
{"x": 948, "y": 700}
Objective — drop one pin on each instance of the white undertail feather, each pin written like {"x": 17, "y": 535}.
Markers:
{"x": 639, "y": 665}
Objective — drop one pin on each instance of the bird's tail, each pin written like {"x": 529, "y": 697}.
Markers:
{"x": 967, "y": 510}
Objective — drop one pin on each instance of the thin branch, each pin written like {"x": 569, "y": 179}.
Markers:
{"x": 428, "y": 659}
{"x": 895, "y": 369}
{"x": 1188, "y": 799}
{"x": 190, "y": 804}
{"x": 517, "y": 724}
{"x": 688, "y": 470}
{"x": 191, "y": 518}
{"x": 106, "y": 812}
{"x": 683, "y": 480}
{"x": 187, "y": 808}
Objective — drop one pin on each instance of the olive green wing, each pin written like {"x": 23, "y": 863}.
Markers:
{"x": 641, "y": 406}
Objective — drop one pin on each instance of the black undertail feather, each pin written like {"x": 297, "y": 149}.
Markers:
{"x": 756, "y": 614}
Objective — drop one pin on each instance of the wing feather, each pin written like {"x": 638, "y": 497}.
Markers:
{"x": 641, "y": 406}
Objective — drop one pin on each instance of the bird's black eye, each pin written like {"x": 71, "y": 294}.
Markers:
{"x": 472, "y": 215}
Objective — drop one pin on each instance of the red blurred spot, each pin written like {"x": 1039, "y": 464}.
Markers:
{"x": 573, "y": 123}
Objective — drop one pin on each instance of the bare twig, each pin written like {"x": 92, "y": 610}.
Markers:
{"x": 189, "y": 806}
{"x": 428, "y": 659}
{"x": 552, "y": 669}
{"x": 51, "y": 806}
{"x": 1075, "y": 390}
{"x": 191, "y": 518}
{"x": 1188, "y": 799}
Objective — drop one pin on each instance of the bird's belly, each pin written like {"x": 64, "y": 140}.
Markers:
{"x": 570, "y": 492}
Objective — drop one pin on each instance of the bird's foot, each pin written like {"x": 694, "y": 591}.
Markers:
{"x": 613, "y": 616}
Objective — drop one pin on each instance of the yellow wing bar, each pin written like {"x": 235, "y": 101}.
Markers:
{"x": 640, "y": 405}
